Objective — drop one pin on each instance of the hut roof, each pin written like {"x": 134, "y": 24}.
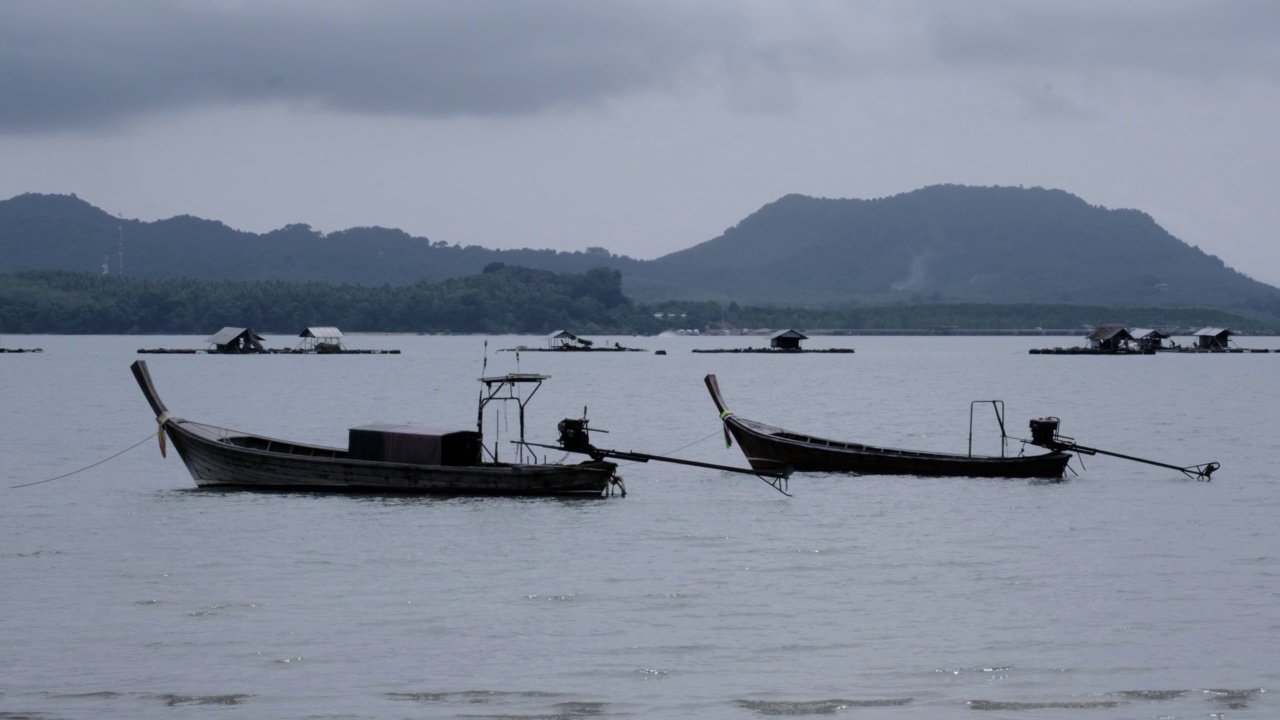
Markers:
{"x": 1213, "y": 332}
{"x": 227, "y": 334}
{"x": 789, "y": 334}
{"x": 1110, "y": 332}
{"x": 1140, "y": 333}
{"x": 568, "y": 338}
{"x": 321, "y": 333}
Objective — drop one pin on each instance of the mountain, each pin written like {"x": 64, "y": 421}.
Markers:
{"x": 945, "y": 243}
{"x": 953, "y": 243}
{"x": 63, "y": 232}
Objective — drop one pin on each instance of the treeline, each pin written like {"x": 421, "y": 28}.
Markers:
{"x": 500, "y": 300}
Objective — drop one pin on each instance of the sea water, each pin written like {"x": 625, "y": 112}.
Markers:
{"x": 1127, "y": 591}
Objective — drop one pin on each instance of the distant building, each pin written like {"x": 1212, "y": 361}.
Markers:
{"x": 321, "y": 339}
{"x": 1110, "y": 337}
{"x": 235, "y": 340}
{"x": 1148, "y": 339}
{"x": 1213, "y": 338}
{"x": 787, "y": 340}
{"x": 566, "y": 340}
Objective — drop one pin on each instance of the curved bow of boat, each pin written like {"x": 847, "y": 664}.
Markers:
{"x": 714, "y": 387}
{"x": 143, "y": 376}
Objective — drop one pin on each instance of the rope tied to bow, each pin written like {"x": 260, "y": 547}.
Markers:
{"x": 728, "y": 439}
{"x": 161, "y": 419}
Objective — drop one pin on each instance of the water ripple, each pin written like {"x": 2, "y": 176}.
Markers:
{"x": 174, "y": 700}
{"x": 33, "y": 553}
{"x": 1053, "y": 705}
{"x": 1151, "y": 694}
{"x": 100, "y": 695}
{"x": 813, "y": 707}
{"x": 564, "y": 710}
{"x": 471, "y": 696}
{"x": 1233, "y": 699}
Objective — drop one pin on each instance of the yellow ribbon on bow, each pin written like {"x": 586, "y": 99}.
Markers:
{"x": 161, "y": 420}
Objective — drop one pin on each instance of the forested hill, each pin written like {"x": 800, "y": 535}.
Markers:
{"x": 63, "y": 232}
{"x": 955, "y": 243}
{"x": 939, "y": 244}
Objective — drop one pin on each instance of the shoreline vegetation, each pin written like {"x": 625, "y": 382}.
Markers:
{"x": 519, "y": 301}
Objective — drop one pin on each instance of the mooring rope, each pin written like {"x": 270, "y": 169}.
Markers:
{"x": 695, "y": 442}
{"x": 87, "y": 467}
{"x": 670, "y": 452}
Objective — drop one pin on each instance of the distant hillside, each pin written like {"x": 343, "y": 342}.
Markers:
{"x": 941, "y": 244}
{"x": 63, "y": 232}
{"x": 953, "y": 243}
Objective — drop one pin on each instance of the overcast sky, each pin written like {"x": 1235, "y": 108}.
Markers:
{"x": 640, "y": 126}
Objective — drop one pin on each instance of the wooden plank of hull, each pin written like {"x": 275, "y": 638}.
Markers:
{"x": 213, "y": 462}
{"x": 817, "y": 455}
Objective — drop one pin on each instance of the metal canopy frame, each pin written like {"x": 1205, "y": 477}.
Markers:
{"x": 493, "y": 390}
{"x": 998, "y": 406}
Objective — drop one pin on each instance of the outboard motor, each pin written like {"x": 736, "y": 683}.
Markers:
{"x": 1043, "y": 431}
{"x": 573, "y": 435}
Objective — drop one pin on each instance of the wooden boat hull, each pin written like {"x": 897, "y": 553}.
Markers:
{"x": 766, "y": 447}
{"x": 227, "y": 463}
{"x": 217, "y": 458}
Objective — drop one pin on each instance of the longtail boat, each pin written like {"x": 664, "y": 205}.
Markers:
{"x": 381, "y": 458}
{"x": 767, "y": 446}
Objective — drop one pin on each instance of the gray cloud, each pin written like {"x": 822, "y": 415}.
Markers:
{"x": 85, "y": 64}
{"x": 1204, "y": 38}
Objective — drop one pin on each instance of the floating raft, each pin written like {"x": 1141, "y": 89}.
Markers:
{"x": 786, "y": 342}
{"x": 1150, "y": 351}
{"x": 1089, "y": 351}
{"x": 295, "y": 351}
{"x": 244, "y": 341}
{"x": 1229, "y": 351}
{"x": 775, "y": 351}
{"x": 565, "y": 341}
{"x": 1116, "y": 339}
{"x": 571, "y": 349}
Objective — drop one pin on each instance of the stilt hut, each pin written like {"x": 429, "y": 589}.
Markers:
{"x": 787, "y": 340}
{"x": 235, "y": 340}
{"x": 1148, "y": 339}
{"x": 1213, "y": 338}
{"x": 1110, "y": 338}
{"x": 321, "y": 340}
{"x": 565, "y": 340}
